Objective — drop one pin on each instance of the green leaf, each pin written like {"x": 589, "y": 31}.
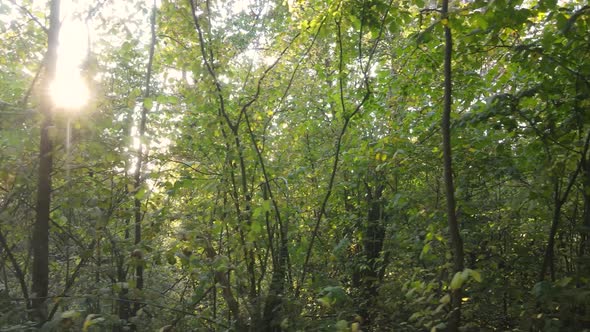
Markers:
{"x": 415, "y": 316}
{"x": 256, "y": 227}
{"x": 476, "y": 275}
{"x": 140, "y": 193}
{"x": 325, "y": 301}
{"x": 173, "y": 100}
{"x": 465, "y": 274}
{"x": 148, "y": 103}
{"x": 90, "y": 320}
{"x": 342, "y": 325}
{"x": 266, "y": 205}
{"x": 439, "y": 327}
{"x": 563, "y": 282}
{"x": 479, "y": 21}
{"x": 70, "y": 314}
{"x": 457, "y": 281}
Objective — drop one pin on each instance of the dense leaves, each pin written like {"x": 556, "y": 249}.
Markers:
{"x": 291, "y": 167}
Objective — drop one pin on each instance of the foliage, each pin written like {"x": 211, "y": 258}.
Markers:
{"x": 291, "y": 177}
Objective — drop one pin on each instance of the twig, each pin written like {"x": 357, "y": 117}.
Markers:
{"x": 31, "y": 16}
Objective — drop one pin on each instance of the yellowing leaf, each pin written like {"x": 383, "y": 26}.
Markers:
{"x": 445, "y": 21}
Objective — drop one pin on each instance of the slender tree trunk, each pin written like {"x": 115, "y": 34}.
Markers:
{"x": 273, "y": 311}
{"x": 18, "y": 272}
{"x": 123, "y": 304}
{"x": 140, "y": 156}
{"x": 586, "y": 216}
{"x": 233, "y": 305}
{"x": 559, "y": 201}
{"x": 455, "y": 236}
{"x": 585, "y": 230}
{"x": 40, "y": 275}
{"x": 548, "y": 258}
{"x": 583, "y": 265}
{"x": 374, "y": 235}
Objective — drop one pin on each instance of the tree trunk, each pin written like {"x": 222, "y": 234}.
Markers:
{"x": 586, "y": 219}
{"x": 233, "y": 305}
{"x": 40, "y": 241}
{"x": 140, "y": 157}
{"x": 123, "y": 304}
{"x": 548, "y": 258}
{"x": 455, "y": 236}
{"x": 374, "y": 235}
{"x": 272, "y": 312}
{"x": 585, "y": 230}
{"x": 559, "y": 201}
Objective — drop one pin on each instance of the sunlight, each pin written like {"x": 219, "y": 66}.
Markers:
{"x": 68, "y": 90}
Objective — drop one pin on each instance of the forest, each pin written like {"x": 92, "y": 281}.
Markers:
{"x": 294, "y": 165}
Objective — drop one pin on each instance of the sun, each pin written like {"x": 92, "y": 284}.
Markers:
{"x": 69, "y": 91}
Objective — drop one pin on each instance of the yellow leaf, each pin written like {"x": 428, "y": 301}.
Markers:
{"x": 445, "y": 21}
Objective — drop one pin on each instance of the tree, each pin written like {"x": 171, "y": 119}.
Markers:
{"x": 455, "y": 236}
{"x": 40, "y": 239}
{"x": 276, "y": 166}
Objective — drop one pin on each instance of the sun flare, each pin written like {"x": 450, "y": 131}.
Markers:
{"x": 69, "y": 92}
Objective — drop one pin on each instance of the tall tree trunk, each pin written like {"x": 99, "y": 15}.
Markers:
{"x": 140, "y": 156}
{"x": 585, "y": 164}
{"x": 373, "y": 237}
{"x": 455, "y": 236}
{"x": 273, "y": 311}
{"x": 583, "y": 268}
{"x": 586, "y": 216}
{"x": 40, "y": 241}
{"x": 548, "y": 257}
{"x": 123, "y": 304}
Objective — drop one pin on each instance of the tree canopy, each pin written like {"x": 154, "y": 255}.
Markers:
{"x": 298, "y": 165}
